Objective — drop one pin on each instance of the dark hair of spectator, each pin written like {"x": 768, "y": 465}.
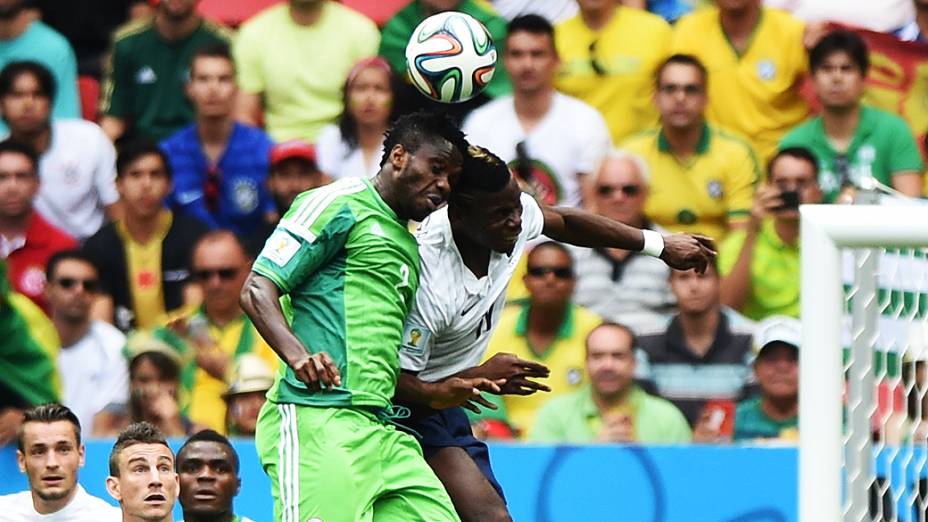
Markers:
{"x": 132, "y": 151}
{"x": 346, "y": 122}
{"x": 556, "y": 246}
{"x": 213, "y": 50}
{"x": 610, "y": 324}
{"x": 482, "y": 172}
{"x": 209, "y": 436}
{"x": 135, "y": 433}
{"x": 532, "y": 24}
{"x": 47, "y": 414}
{"x": 837, "y": 42}
{"x": 800, "y": 153}
{"x": 66, "y": 255}
{"x": 418, "y": 128}
{"x": 13, "y": 70}
{"x": 682, "y": 59}
{"x": 8, "y": 146}
{"x": 167, "y": 368}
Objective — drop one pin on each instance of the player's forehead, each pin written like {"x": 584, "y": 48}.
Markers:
{"x": 205, "y": 451}
{"x": 147, "y": 453}
{"x": 49, "y": 433}
{"x": 436, "y": 148}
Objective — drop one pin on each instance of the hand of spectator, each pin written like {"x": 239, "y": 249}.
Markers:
{"x": 707, "y": 430}
{"x": 686, "y": 251}
{"x": 617, "y": 428}
{"x": 213, "y": 361}
{"x": 766, "y": 202}
{"x": 458, "y": 391}
{"x": 317, "y": 371}
{"x": 10, "y": 420}
{"x": 161, "y": 402}
{"x": 507, "y": 366}
{"x": 814, "y": 32}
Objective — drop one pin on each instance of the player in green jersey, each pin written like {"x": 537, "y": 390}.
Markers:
{"x": 344, "y": 256}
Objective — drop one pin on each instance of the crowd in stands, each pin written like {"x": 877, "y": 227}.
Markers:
{"x": 127, "y": 235}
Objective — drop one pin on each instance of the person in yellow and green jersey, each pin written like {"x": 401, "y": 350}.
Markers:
{"x": 702, "y": 177}
{"x": 757, "y": 62}
{"x": 608, "y": 57}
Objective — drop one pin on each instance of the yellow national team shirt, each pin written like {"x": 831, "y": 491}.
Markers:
{"x": 711, "y": 190}
{"x": 613, "y": 69}
{"x": 566, "y": 358}
{"x": 757, "y": 93}
{"x": 144, "y": 266}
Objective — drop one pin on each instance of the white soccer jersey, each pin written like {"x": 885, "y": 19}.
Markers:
{"x": 455, "y": 313}
{"x": 83, "y": 507}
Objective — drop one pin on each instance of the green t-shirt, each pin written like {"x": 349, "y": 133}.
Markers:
{"x": 351, "y": 269}
{"x": 752, "y": 423}
{"x": 882, "y": 146}
{"x": 144, "y": 82}
{"x": 774, "y": 272}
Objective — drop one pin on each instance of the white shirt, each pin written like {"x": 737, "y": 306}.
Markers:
{"x": 882, "y": 15}
{"x": 336, "y": 159}
{"x": 455, "y": 313}
{"x": 571, "y": 140}
{"x": 94, "y": 373}
{"x": 78, "y": 178}
{"x": 554, "y": 10}
{"x": 83, "y": 507}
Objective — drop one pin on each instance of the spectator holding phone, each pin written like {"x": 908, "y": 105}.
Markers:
{"x": 760, "y": 265}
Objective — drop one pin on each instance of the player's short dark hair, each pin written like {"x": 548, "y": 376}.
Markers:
{"x": 9, "y": 146}
{"x": 213, "y": 50}
{"x": 135, "y": 433}
{"x": 611, "y": 324}
{"x": 681, "y": 59}
{"x": 841, "y": 41}
{"x": 418, "y": 128}
{"x": 66, "y": 255}
{"x": 13, "y": 70}
{"x": 532, "y": 24}
{"x": 482, "y": 172}
{"x": 553, "y": 245}
{"x": 209, "y": 436}
{"x": 800, "y": 153}
{"x": 130, "y": 152}
{"x": 47, "y": 414}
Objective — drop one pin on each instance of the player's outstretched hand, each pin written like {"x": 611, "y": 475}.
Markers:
{"x": 507, "y": 365}
{"x": 686, "y": 251}
{"x": 318, "y": 371}
{"x": 459, "y": 391}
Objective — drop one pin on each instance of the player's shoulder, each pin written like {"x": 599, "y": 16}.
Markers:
{"x": 133, "y": 31}
{"x": 490, "y": 111}
{"x": 730, "y": 141}
{"x": 112, "y": 337}
{"x": 644, "y": 21}
{"x": 17, "y": 506}
{"x": 579, "y": 114}
{"x": 641, "y": 141}
{"x": 585, "y": 318}
{"x": 782, "y": 20}
{"x": 80, "y": 129}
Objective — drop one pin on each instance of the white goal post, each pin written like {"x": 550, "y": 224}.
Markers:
{"x": 825, "y": 483}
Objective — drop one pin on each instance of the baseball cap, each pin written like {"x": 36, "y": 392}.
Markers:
{"x": 777, "y": 329}
{"x": 251, "y": 374}
{"x": 293, "y": 149}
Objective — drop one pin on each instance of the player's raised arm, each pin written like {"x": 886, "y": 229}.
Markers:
{"x": 582, "y": 228}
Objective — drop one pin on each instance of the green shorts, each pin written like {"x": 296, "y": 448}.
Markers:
{"x": 341, "y": 464}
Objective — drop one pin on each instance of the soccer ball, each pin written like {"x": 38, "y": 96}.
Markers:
{"x": 450, "y": 57}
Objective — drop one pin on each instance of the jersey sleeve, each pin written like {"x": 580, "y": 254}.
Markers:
{"x": 533, "y": 219}
{"x": 425, "y": 322}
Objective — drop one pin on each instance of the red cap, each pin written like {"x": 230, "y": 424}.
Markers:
{"x": 293, "y": 149}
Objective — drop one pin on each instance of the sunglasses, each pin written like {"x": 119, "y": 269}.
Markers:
{"x": 627, "y": 190}
{"x": 90, "y": 285}
{"x": 597, "y": 68}
{"x": 225, "y": 274}
{"x": 560, "y": 272}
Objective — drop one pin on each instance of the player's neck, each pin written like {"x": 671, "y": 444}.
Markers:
{"x": 699, "y": 329}
{"x": 69, "y": 331}
{"x": 142, "y": 228}
{"x": 39, "y": 140}
{"x": 738, "y": 25}
{"x": 596, "y": 19}
{"x": 840, "y": 123}
{"x": 47, "y": 507}
{"x": 218, "y": 517}
{"x": 221, "y": 316}
{"x": 606, "y": 401}
{"x": 475, "y": 256}
{"x": 683, "y": 140}
{"x": 532, "y": 106}
{"x": 305, "y": 16}
{"x": 546, "y": 317}
{"x": 780, "y": 408}
{"x": 174, "y": 30}
{"x": 17, "y": 25}
{"x": 215, "y": 130}
{"x": 15, "y": 226}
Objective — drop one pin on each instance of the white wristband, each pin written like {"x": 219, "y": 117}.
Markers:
{"x": 653, "y": 243}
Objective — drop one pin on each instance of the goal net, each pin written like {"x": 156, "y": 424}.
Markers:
{"x": 864, "y": 363}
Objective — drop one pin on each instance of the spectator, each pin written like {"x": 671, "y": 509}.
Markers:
{"x": 219, "y": 164}
{"x": 219, "y": 332}
{"x": 701, "y": 356}
{"x": 27, "y": 241}
{"x": 775, "y": 413}
{"x": 354, "y": 145}
{"x": 547, "y": 328}
{"x": 209, "y": 478}
{"x": 245, "y": 396}
{"x": 299, "y": 96}
{"x": 23, "y": 37}
{"x": 398, "y": 30}
{"x": 703, "y": 177}
{"x": 882, "y": 16}
{"x": 760, "y": 265}
{"x": 552, "y": 10}
{"x": 758, "y": 64}
{"x": 77, "y": 189}
{"x": 144, "y": 257}
{"x": 143, "y": 84}
{"x": 49, "y": 451}
{"x": 553, "y": 142}
{"x": 620, "y": 285}
{"x": 611, "y": 408}
{"x": 609, "y": 54}
{"x": 94, "y": 373}
{"x": 917, "y": 29}
{"x": 142, "y": 477}
{"x": 853, "y": 141}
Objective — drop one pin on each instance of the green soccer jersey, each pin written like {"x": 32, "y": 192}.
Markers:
{"x": 350, "y": 268}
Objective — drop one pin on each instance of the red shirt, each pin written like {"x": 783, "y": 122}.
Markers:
{"x": 26, "y": 264}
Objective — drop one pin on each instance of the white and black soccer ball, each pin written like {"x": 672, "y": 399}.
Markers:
{"x": 451, "y": 57}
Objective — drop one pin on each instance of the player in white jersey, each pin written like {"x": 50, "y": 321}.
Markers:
{"x": 49, "y": 452}
{"x": 468, "y": 253}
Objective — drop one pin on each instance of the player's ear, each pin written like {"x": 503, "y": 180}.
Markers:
{"x": 112, "y": 487}
{"x": 398, "y": 157}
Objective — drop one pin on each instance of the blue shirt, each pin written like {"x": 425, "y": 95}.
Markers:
{"x": 40, "y": 43}
{"x": 243, "y": 198}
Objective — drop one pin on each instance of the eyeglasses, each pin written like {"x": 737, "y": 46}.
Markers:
{"x": 224, "y": 274}
{"x": 560, "y": 272}
{"x": 630, "y": 190}
{"x": 689, "y": 89}
{"x": 89, "y": 285}
{"x": 597, "y": 68}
